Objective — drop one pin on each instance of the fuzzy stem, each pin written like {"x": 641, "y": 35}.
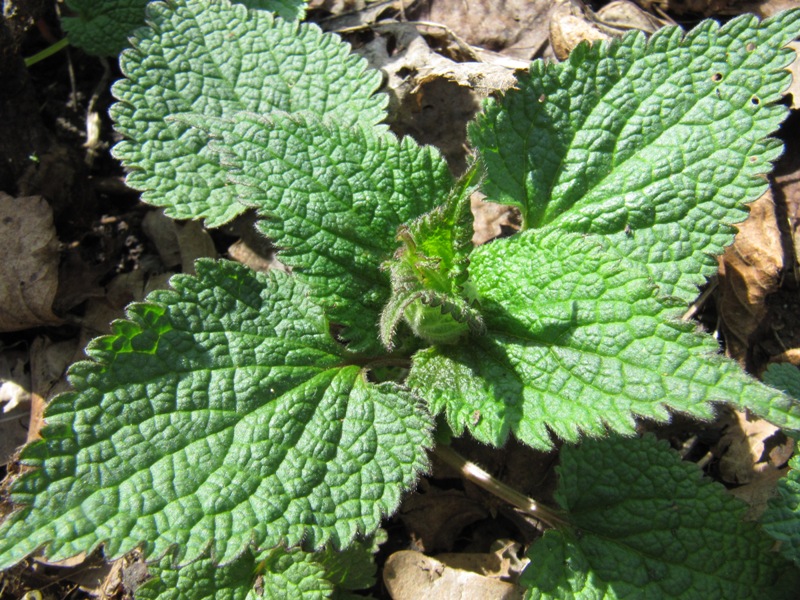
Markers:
{"x": 481, "y": 478}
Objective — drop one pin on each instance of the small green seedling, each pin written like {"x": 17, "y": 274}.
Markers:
{"x": 234, "y": 428}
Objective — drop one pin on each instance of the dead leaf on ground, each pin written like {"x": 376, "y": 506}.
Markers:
{"x": 491, "y": 220}
{"x": 791, "y": 356}
{"x": 794, "y": 69}
{"x": 435, "y": 518}
{"x": 573, "y": 22}
{"x": 751, "y": 446}
{"x": 411, "y": 575}
{"x": 179, "y": 243}
{"x": 749, "y": 271}
{"x": 705, "y": 8}
{"x": 432, "y": 98}
{"x": 516, "y": 28}
{"x": 29, "y": 269}
{"x": 15, "y": 401}
{"x": 717, "y": 8}
{"x": 49, "y": 362}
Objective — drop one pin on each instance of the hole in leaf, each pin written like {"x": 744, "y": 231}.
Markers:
{"x": 750, "y": 46}
{"x": 716, "y": 77}
{"x": 755, "y": 101}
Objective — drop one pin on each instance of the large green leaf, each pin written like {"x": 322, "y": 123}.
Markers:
{"x": 215, "y": 59}
{"x": 278, "y": 574}
{"x": 656, "y": 143}
{"x": 782, "y": 517}
{"x": 102, "y": 27}
{"x": 334, "y": 198}
{"x": 203, "y": 579}
{"x": 577, "y": 340}
{"x": 221, "y": 415}
{"x": 646, "y": 525}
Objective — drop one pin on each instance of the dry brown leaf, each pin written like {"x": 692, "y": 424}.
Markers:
{"x": 491, "y": 219}
{"x": 759, "y": 492}
{"x": 410, "y": 575}
{"x": 49, "y": 362}
{"x": 572, "y": 22}
{"x": 435, "y": 518}
{"x": 707, "y": 8}
{"x": 517, "y": 28}
{"x": 178, "y": 243}
{"x": 29, "y": 269}
{"x": 751, "y": 449}
{"x": 432, "y": 98}
{"x": 794, "y": 69}
{"x": 791, "y": 356}
{"x": 15, "y": 401}
{"x": 749, "y": 271}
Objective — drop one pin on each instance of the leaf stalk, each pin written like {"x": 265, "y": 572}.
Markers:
{"x": 472, "y": 472}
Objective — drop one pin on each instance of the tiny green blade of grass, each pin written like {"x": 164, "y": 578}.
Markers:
{"x": 220, "y": 416}
{"x": 657, "y": 143}
{"x": 578, "y": 341}
{"x": 215, "y": 59}
{"x": 645, "y": 524}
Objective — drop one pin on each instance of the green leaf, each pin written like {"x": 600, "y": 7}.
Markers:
{"x": 203, "y": 580}
{"x": 291, "y": 10}
{"x": 429, "y": 273}
{"x": 644, "y": 524}
{"x": 577, "y": 341}
{"x": 102, "y": 27}
{"x": 215, "y": 59}
{"x": 219, "y": 415}
{"x": 656, "y": 143}
{"x": 784, "y": 376}
{"x": 334, "y": 198}
{"x": 782, "y": 518}
{"x": 294, "y": 574}
{"x": 278, "y": 573}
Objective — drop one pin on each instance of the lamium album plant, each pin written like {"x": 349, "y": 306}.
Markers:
{"x": 249, "y": 432}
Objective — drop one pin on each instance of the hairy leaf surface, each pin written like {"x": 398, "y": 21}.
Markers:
{"x": 577, "y": 341}
{"x": 102, "y": 27}
{"x": 215, "y": 59}
{"x": 333, "y": 198}
{"x": 221, "y": 414}
{"x": 277, "y": 574}
{"x": 782, "y": 517}
{"x": 655, "y": 143}
{"x": 205, "y": 580}
{"x": 647, "y": 525}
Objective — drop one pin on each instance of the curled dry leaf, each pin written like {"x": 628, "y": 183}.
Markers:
{"x": 517, "y": 28}
{"x": 432, "y": 98}
{"x": 794, "y": 68}
{"x": 573, "y": 22}
{"x": 29, "y": 269}
{"x": 749, "y": 271}
{"x": 410, "y": 575}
